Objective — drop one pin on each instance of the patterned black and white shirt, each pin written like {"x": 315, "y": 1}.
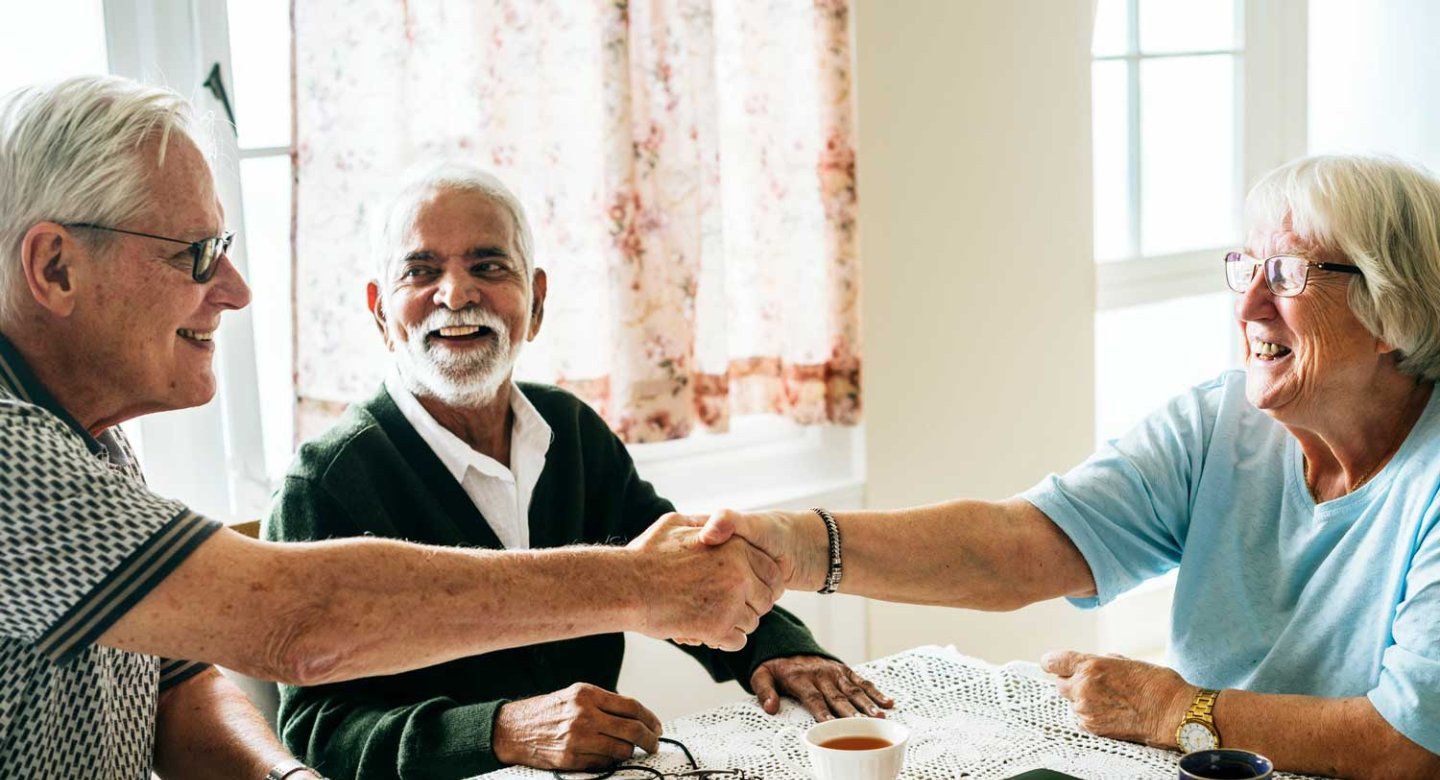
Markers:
{"x": 81, "y": 542}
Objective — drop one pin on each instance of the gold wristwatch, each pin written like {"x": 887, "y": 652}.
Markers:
{"x": 1197, "y": 731}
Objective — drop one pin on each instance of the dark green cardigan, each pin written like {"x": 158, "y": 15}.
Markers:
{"x": 373, "y": 474}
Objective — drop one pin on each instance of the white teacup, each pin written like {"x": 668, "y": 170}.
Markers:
{"x": 879, "y": 763}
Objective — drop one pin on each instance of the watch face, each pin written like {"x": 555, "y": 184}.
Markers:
{"x": 1195, "y": 736}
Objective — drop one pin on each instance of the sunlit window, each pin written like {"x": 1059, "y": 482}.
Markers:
{"x": 1167, "y": 82}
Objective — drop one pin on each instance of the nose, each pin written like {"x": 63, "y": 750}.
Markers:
{"x": 228, "y": 289}
{"x": 457, "y": 290}
{"x": 1257, "y": 302}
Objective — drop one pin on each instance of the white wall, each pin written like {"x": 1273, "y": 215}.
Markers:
{"x": 1374, "y": 78}
{"x": 975, "y": 237}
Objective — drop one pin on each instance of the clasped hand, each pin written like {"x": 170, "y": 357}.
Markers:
{"x": 711, "y": 594}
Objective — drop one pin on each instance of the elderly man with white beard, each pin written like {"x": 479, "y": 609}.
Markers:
{"x": 452, "y": 451}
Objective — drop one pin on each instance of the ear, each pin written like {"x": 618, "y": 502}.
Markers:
{"x": 377, "y": 310}
{"x": 51, "y": 260}
{"x": 538, "y": 286}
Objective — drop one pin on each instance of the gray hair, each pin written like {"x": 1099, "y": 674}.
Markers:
{"x": 1383, "y": 215}
{"x": 449, "y": 176}
{"x": 71, "y": 152}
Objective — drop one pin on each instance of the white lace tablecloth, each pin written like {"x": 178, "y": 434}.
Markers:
{"x": 967, "y": 718}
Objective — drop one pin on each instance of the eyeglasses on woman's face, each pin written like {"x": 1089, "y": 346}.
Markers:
{"x": 1285, "y": 275}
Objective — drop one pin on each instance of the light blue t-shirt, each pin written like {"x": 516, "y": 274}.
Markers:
{"x": 1275, "y": 594}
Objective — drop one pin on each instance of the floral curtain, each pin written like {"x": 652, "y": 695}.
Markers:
{"x": 688, "y": 168}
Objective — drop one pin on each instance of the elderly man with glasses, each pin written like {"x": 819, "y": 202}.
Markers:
{"x": 451, "y": 450}
{"x": 113, "y": 281}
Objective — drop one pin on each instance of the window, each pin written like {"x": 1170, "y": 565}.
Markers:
{"x": 1191, "y": 103}
{"x": 27, "y": 58}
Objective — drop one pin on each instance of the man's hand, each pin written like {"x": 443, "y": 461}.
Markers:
{"x": 581, "y": 727}
{"x": 827, "y": 689}
{"x": 1121, "y": 698}
{"x": 796, "y": 540}
{"x": 710, "y": 594}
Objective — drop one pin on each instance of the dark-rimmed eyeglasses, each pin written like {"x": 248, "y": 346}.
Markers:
{"x": 1285, "y": 275}
{"x": 205, "y": 254}
{"x": 637, "y": 772}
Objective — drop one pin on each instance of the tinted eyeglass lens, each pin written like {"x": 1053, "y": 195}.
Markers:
{"x": 208, "y": 257}
{"x": 1239, "y": 270}
{"x": 1285, "y": 275}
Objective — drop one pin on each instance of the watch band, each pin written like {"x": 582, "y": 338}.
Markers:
{"x": 286, "y": 769}
{"x": 1202, "y": 706}
{"x": 836, "y": 570}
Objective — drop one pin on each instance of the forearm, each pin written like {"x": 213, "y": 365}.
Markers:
{"x": 206, "y": 727}
{"x": 471, "y": 602}
{"x": 974, "y": 554}
{"x": 1314, "y": 735}
{"x": 322, "y": 612}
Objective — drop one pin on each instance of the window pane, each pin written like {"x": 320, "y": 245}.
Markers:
{"x": 1109, "y": 111}
{"x": 1187, "y": 25}
{"x": 27, "y": 57}
{"x": 1145, "y": 355}
{"x": 266, "y": 184}
{"x": 1111, "y": 28}
{"x": 1188, "y": 170}
{"x": 260, "y": 65}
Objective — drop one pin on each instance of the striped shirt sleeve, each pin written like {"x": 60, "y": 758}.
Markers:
{"x": 82, "y": 542}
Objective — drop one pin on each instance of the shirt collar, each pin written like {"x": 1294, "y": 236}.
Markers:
{"x": 19, "y": 380}
{"x": 529, "y": 435}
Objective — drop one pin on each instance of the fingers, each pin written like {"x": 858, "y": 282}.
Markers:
{"x": 812, "y": 700}
{"x": 835, "y": 701}
{"x": 1060, "y": 662}
{"x": 875, "y": 694}
{"x": 763, "y": 683}
{"x": 859, "y": 698}
{"x": 632, "y": 732}
{"x": 720, "y": 527}
{"x": 626, "y": 707}
{"x": 766, "y": 570}
{"x": 732, "y": 642}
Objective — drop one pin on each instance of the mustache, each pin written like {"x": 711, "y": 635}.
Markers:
{"x": 446, "y": 318}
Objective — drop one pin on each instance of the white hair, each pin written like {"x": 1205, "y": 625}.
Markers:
{"x": 71, "y": 152}
{"x": 1383, "y": 215}
{"x": 449, "y": 176}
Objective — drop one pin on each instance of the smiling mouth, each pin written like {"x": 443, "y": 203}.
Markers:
{"x": 1268, "y": 351}
{"x": 456, "y": 333}
{"x": 199, "y": 336}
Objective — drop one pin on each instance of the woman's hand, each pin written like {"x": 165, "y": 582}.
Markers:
{"x": 1121, "y": 698}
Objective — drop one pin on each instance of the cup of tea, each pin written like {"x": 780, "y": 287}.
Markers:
{"x": 1225, "y": 764}
{"x": 856, "y": 749}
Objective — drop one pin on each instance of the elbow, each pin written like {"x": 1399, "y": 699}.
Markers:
{"x": 302, "y": 645}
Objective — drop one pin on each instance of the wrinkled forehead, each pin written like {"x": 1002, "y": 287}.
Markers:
{"x": 181, "y": 190}
{"x": 1279, "y": 237}
{"x": 458, "y": 219}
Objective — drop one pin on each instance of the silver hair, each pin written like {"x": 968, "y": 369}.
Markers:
{"x": 1383, "y": 215}
{"x": 72, "y": 152}
{"x": 452, "y": 176}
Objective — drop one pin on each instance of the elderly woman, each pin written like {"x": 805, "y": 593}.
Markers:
{"x": 1297, "y": 498}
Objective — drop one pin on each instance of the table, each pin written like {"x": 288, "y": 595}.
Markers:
{"x": 968, "y": 718}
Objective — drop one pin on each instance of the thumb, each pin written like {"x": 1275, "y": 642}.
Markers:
{"x": 719, "y": 528}
{"x": 1059, "y": 662}
{"x": 763, "y": 684}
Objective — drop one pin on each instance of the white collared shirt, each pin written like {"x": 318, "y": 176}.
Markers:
{"x": 501, "y": 494}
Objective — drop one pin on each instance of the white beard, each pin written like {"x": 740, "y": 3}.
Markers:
{"x": 472, "y": 378}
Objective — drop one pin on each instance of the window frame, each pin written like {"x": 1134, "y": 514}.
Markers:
{"x": 1271, "y": 113}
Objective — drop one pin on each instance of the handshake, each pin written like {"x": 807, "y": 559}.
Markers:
{"x": 710, "y": 580}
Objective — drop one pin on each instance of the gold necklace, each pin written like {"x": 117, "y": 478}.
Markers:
{"x": 1352, "y": 488}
